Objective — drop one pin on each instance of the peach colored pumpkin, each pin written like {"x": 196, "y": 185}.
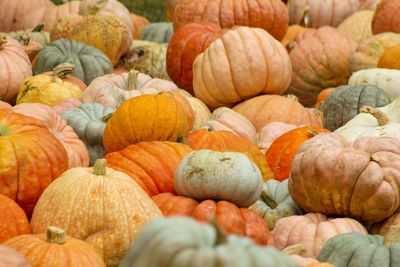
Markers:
{"x": 267, "y": 135}
{"x": 78, "y": 155}
{"x": 67, "y": 104}
{"x": 386, "y": 17}
{"x": 368, "y": 4}
{"x": 358, "y": 25}
{"x": 5, "y": 105}
{"x": 243, "y": 63}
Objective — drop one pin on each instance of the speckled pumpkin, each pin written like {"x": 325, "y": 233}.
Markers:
{"x": 358, "y": 25}
{"x": 386, "y": 17}
{"x": 390, "y": 59}
{"x": 160, "y": 32}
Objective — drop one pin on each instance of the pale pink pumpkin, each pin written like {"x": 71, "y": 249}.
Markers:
{"x": 4, "y": 105}
{"x": 66, "y": 104}
{"x": 78, "y": 156}
{"x": 271, "y": 131}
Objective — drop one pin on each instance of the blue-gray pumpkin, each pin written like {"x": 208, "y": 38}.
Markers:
{"x": 160, "y": 32}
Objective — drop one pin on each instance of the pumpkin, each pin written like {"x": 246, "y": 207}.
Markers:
{"x": 389, "y": 58}
{"x": 265, "y": 109}
{"x": 55, "y": 248}
{"x": 243, "y": 63}
{"x": 364, "y": 184}
{"x": 31, "y": 157}
{"x": 89, "y": 121}
{"x": 358, "y": 25}
{"x": 171, "y": 4}
{"x": 148, "y": 113}
{"x": 15, "y": 68}
{"x": 385, "y": 17}
{"x": 275, "y": 203}
{"x": 76, "y": 150}
{"x": 368, "y": 4}
{"x": 270, "y": 15}
{"x": 30, "y": 45}
{"x": 322, "y": 96}
{"x": 64, "y": 71}
{"x": 5, "y": 105}
{"x": 66, "y": 104}
{"x": 153, "y": 10}
{"x": 201, "y": 112}
{"x": 89, "y": 61}
{"x": 146, "y": 57}
{"x": 349, "y": 100}
{"x": 112, "y": 90}
{"x": 369, "y": 51}
{"x": 37, "y": 34}
{"x": 282, "y": 151}
{"x": 13, "y": 221}
{"x": 319, "y": 60}
{"x": 289, "y": 40}
{"x": 11, "y": 258}
{"x": 107, "y": 33}
{"x": 112, "y": 218}
{"x": 186, "y": 44}
{"x": 139, "y": 22}
{"x": 267, "y": 135}
{"x": 186, "y": 243}
{"x": 159, "y": 32}
{"x": 228, "y": 216}
{"x": 358, "y": 249}
{"x": 382, "y": 228}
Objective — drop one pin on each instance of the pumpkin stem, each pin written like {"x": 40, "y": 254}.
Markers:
{"x": 393, "y": 236}
{"x": 95, "y": 8}
{"x": 100, "y": 167}
{"x": 221, "y": 236}
{"x": 106, "y": 117}
{"x": 290, "y": 46}
{"x": 24, "y": 38}
{"x": 294, "y": 249}
{"x": 269, "y": 199}
{"x": 38, "y": 28}
{"x": 56, "y": 235}
{"x": 305, "y": 18}
{"x": 312, "y": 133}
{"x": 4, "y": 131}
{"x": 381, "y": 117}
{"x": 64, "y": 69}
{"x": 3, "y": 39}
{"x": 131, "y": 84}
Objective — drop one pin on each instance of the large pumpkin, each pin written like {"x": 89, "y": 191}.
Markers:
{"x": 151, "y": 164}
{"x": 320, "y": 60}
{"x": 365, "y": 176}
{"x": 386, "y": 17}
{"x": 11, "y": 258}
{"x": 228, "y": 216}
{"x": 358, "y": 25}
{"x": 243, "y": 63}
{"x": 104, "y": 207}
{"x": 159, "y": 32}
{"x": 31, "y": 157}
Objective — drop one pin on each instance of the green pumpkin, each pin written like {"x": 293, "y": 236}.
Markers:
{"x": 160, "y": 32}
{"x": 361, "y": 250}
{"x": 275, "y": 202}
{"x": 180, "y": 241}
{"x": 89, "y": 121}
{"x": 153, "y": 10}
{"x": 344, "y": 103}
{"x": 90, "y": 62}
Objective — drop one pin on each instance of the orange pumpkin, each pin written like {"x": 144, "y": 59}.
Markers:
{"x": 390, "y": 58}
{"x": 233, "y": 220}
{"x": 386, "y": 17}
{"x": 322, "y": 96}
{"x": 139, "y": 22}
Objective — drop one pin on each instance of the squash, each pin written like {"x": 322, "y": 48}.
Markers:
{"x": 385, "y": 17}
{"x": 66, "y": 104}
{"x": 5, "y": 105}
{"x": 30, "y": 45}
{"x": 322, "y": 96}
{"x": 368, "y": 4}
{"x": 171, "y": 4}
{"x": 11, "y": 258}
{"x": 159, "y": 32}
{"x": 35, "y": 33}
{"x": 115, "y": 209}
{"x": 139, "y": 22}
{"x": 390, "y": 58}
{"x": 365, "y": 180}
{"x": 268, "y": 134}
{"x": 358, "y": 25}
{"x": 64, "y": 71}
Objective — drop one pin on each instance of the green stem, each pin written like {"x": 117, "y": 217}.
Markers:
{"x": 100, "y": 167}
{"x": 269, "y": 199}
{"x": 56, "y": 235}
{"x": 64, "y": 69}
{"x": 295, "y": 249}
{"x": 131, "y": 84}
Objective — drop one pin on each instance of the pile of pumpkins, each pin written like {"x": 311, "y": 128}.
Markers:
{"x": 221, "y": 133}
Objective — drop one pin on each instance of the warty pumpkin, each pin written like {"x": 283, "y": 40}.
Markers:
{"x": 386, "y": 17}
{"x": 358, "y": 25}
{"x": 158, "y": 32}
{"x": 390, "y": 58}
{"x": 11, "y": 258}
{"x": 99, "y": 205}
{"x": 268, "y": 134}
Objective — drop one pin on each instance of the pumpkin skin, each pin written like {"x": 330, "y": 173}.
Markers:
{"x": 107, "y": 33}
{"x": 206, "y": 244}
{"x": 30, "y": 45}
{"x": 160, "y": 32}
{"x": 201, "y": 112}
{"x": 54, "y": 248}
{"x": 66, "y": 104}
{"x": 11, "y": 258}
{"x": 186, "y": 44}
{"x": 221, "y": 79}
{"x": 358, "y": 25}
{"x": 145, "y": 164}
{"x": 108, "y": 225}
{"x": 319, "y": 60}
{"x": 30, "y": 156}
{"x": 5, "y": 105}
{"x": 139, "y": 22}
{"x": 16, "y": 67}
{"x": 148, "y": 113}
{"x": 322, "y": 96}
{"x": 312, "y": 230}
{"x": 64, "y": 71}
{"x": 270, "y": 15}
{"x": 270, "y": 132}
{"x": 241, "y": 221}
{"x": 385, "y": 17}
{"x": 365, "y": 176}
{"x": 389, "y": 59}
{"x": 275, "y": 203}
{"x": 382, "y": 228}
{"x": 282, "y": 151}
{"x": 350, "y": 99}
{"x": 89, "y": 61}
{"x": 265, "y": 109}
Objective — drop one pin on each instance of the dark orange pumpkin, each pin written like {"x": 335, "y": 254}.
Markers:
{"x": 321, "y": 97}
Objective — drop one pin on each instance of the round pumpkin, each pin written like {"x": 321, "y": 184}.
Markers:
{"x": 104, "y": 207}
{"x": 267, "y": 135}
{"x": 243, "y": 63}
{"x": 228, "y": 216}
{"x": 139, "y": 22}
{"x": 390, "y": 58}
{"x": 358, "y": 25}
{"x": 55, "y": 248}
{"x": 31, "y": 157}
{"x": 364, "y": 184}
{"x": 11, "y": 258}
{"x": 385, "y": 17}
{"x": 159, "y": 32}
{"x": 64, "y": 71}
{"x": 89, "y": 61}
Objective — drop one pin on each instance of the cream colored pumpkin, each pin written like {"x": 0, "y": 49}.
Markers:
{"x": 201, "y": 112}
{"x": 358, "y": 25}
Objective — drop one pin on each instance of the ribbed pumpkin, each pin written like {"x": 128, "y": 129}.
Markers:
{"x": 358, "y": 25}
{"x": 224, "y": 141}
{"x": 270, "y": 15}
{"x": 186, "y": 44}
{"x": 386, "y": 17}
{"x": 30, "y": 158}
{"x": 228, "y": 216}
{"x": 30, "y": 45}
{"x": 390, "y": 58}
{"x": 55, "y": 248}
{"x": 148, "y": 112}
{"x": 107, "y": 33}
{"x": 265, "y": 109}
{"x": 115, "y": 209}
{"x": 159, "y": 32}
{"x": 15, "y": 68}
{"x": 243, "y": 63}
{"x": 89, "y": 61}
{"x": 11, "y": 258}
{"x": 151, "y": 164}
{"x": 267, "y": 135}
{"x": 282, "y": 151}
{"x": 320, "y": 60}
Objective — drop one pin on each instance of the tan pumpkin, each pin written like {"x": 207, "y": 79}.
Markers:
{"x": 358, "y": 25}
{"x": 386, "y": 17}
{"x": 201, "y": 112}
{"x": 11, "y": 258}
{"x": 243, "y": 63}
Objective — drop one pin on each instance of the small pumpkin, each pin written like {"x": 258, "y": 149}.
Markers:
{"x": 390, "y": 58}
{"x": 270, "y": 132}
{"x": 158, "y": 32}
{"x": 322, "y": 96}
{"x": 385, "y": 17}
{"x": 11, "y": 258}
{"x": 358, "y": 25}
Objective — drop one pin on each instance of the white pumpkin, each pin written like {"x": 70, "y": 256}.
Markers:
{"x": 230, "y": 176}
{"x": 386, "y": 79}
{"x": 226, "y": 119}
{"x": 271, "y": 131}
